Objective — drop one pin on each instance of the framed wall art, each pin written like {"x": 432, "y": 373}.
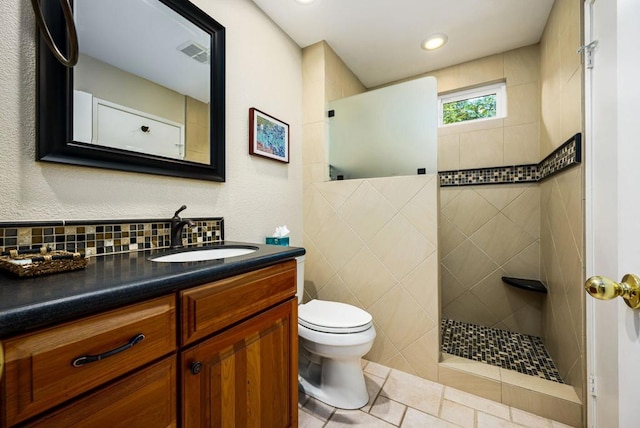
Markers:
{"x": 268, "y": 136}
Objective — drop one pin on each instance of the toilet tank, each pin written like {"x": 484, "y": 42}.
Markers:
{"x": 300, "y": 278}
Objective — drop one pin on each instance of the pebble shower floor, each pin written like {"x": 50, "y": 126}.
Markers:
{"x": 501, "y": 348}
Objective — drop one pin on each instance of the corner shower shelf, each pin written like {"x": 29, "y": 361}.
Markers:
{"x": 526, "y": 284}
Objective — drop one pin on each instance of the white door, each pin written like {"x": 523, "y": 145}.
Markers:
{"x": 613, "y": 207}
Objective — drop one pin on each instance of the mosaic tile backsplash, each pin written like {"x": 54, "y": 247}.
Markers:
{"x": 566, "y": 155}
{"x": 96, "y": 238}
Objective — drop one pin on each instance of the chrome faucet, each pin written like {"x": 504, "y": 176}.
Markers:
{"x": 177, "y": 225}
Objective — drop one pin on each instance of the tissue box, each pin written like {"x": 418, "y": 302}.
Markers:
{"x": 271, "y": 240}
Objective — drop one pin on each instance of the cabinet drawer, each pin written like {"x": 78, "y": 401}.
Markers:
{"x": 144, "y": 399}
{"x": 39, "y": 370}
{"x": 211, "y": 307}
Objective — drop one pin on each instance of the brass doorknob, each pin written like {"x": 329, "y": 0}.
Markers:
{"x": 606, "y": 289}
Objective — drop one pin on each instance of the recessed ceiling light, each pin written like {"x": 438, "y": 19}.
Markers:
{"x": 434, "y": 41}
{"x": 305, "y": 1}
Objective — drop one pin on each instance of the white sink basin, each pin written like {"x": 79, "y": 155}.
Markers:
{"x": 203, "y": 255}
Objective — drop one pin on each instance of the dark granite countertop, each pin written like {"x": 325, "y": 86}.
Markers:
{"x": 116, "y": 280}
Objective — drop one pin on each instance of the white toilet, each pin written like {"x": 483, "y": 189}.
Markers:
{"x": 332, "y": 337}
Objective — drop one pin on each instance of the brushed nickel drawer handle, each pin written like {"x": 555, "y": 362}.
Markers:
{"x": 86, "y": 359}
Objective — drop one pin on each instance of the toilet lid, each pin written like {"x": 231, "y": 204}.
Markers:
{"x": 333, "y": 317}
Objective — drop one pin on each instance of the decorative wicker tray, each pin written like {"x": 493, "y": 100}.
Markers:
{"x": 41, "y": 261}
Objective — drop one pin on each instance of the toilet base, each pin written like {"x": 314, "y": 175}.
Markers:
{"x": 338, "y": 383}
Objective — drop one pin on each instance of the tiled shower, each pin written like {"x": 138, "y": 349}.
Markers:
{"x": 530, "y": 230}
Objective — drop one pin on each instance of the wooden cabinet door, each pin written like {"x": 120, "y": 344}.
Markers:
{"x": 245, "y": 376}
{"x": 146, "y": 399}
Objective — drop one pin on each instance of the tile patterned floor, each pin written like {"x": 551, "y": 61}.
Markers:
{"x": 398, "y": 399}
{"x": 501, "y": 348}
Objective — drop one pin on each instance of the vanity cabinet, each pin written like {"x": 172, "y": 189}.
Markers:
{"x": 146, "y": 398}
{"x": 245, "y": 375}
{"x": 228, "y": 359}
{"x": 39, "y": 372}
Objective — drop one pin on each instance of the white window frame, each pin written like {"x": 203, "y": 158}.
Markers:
{"x": 500, "y": 89}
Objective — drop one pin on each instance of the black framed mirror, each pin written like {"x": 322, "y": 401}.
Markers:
{"x": 147, "y": 94}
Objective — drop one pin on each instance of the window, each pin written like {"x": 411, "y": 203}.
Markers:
{"x": 487, "y": 102}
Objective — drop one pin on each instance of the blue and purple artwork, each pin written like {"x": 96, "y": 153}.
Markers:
{"x": 271, "y": 137}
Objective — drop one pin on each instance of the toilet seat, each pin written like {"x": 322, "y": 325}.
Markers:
{"x": 333, "y": 317}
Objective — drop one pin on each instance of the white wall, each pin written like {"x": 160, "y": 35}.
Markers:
{"x": 263, "y": 70}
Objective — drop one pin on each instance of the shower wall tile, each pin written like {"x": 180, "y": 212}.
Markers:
{"x": 359, "y": 258}
{"x": 566, "y": 411}
{"x": 524, "y": 211}
{"x": 448, "y": 152}
{"x": 367, "y": 277}
{"x": 313, "y": 103}
{"x": 425, "y": 296}
{"x": 451, "y": 287}
{"x": 367, "y": 211}
{"x": 383, "y": 349}
{"x": 485, "y": 69}
{"x": 468, "y": 308}
{"x": 522, "y": 65}
{"x": 340, "y": 81}
{"x": 469, "y": 211}
{"x": 448, "y": 78}
{"x": 420, "y": 356}
{"x": 501, "y": 196}
{"x": 469, "y": 264}
{"x": 454, "y": 237}
{"x": 401, "y": 256}
{"x": 527, "y": 318}
{"x": 562, "y": 195}
{"x": 523, "y": 104}
{"x": 465, "y": 128}
{"x": 506, "y": 301}
{"x": 475, "y": 384}
{"x": 398, "y": 313}
{"x": 521, "y": 144}
{"x": 337, "y": 241}
{"x": 316, "y": 211}
{"x": 400, "y": 191}
{"x": 491, "y": 238}
{"x": 337, "y": 195}
{"x": 313, "y": 143}
{"x": 512, "y": 140}
{"x": 317, "y": 269}
{"x": 393, "y": 273}
{"x": 314, "y": 173}
{"x": 526, "y": 263}
{"x": 482, "y": 148}
{"x": 422, "y": 213}
{"x": 313, "y": 63}
{"x": 488, "y": 232}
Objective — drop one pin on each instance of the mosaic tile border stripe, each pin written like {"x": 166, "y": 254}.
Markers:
{"x": 102, "y": 237}
{"x": 565, "y": 156}
{"x": 514, "y": 351}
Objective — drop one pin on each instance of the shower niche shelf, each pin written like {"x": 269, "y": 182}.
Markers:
{"x": 526, "y": 284}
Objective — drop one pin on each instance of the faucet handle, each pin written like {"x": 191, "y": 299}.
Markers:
{"x": 182, "y": 208}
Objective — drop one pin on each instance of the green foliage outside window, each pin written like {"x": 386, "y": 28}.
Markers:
{"x": 469, "y": 109}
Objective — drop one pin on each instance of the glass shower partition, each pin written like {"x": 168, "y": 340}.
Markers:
{"x": 385, "y": 132}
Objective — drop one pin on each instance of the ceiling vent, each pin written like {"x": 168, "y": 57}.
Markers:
{"x": 195, "y": 51}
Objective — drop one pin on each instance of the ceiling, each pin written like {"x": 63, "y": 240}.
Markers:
{"x": 379, "y": 40}
{"x": 112, "y": 31}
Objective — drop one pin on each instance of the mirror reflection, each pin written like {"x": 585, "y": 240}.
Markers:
{"x": 142, "y": 82}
